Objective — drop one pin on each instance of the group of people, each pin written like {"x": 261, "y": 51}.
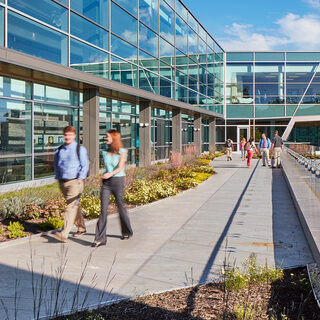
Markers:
{"x": 71, "y": 165}
{"x": 264, "y": 147}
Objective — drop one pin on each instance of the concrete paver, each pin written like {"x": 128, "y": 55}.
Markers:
{"x": 177, "y": 242}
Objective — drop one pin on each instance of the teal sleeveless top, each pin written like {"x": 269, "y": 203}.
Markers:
{"x": 111, "y": 162}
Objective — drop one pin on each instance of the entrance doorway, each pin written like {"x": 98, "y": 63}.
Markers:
{"x": 243, "y": 131}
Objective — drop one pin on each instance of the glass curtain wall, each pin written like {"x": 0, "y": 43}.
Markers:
{"x": 266, "y": 88}
{"x": 155, "y": 45}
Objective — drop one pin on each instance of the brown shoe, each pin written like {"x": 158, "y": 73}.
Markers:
{"x": 58, "y": 237}
{"x": 79, "y": 234}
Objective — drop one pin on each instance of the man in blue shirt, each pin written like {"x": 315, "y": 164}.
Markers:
{"x": 71, "y": 166}
{"x": 264, "y": 147}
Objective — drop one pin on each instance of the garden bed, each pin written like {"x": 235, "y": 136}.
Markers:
{"x": 34, "y": 210}
{"x": 271, "y": 294}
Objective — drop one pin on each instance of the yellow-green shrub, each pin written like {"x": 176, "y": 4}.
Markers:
{"x": 90, "y": 206}
{"x": 16, "y": 230}
{"x": 202, "y": 176}
{"x": 52, "y": 223}
{"x": 205, "y": 169}
{"x": 186, "y": 183}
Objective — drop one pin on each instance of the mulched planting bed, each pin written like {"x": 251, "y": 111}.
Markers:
{"x": 288, "y": 298}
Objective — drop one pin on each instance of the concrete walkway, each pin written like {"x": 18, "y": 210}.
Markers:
{"x": 177, "y": 242}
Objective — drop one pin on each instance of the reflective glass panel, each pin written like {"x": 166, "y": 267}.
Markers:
{"x": 123, "y": 49}
{"x": 181, "y": 78}
{"x": 181, "y": 62}
{"x": 192, "y": 22}
{"x": 1, "y": 26}
{"x": 125, "y": 124}
{"x": 239, "y": 56}
{"x": 181, "y": 93}
{"x": 239, "y": 72}
{"x": 148, "y": 11}
{"x": 303, "y": 56}
{"x": 15, "y": 127}
{"x": 148, "y": 81}
{"x": 170, "y": 2}
{"x": 43, "y": 166}
{"x": 55, "y": 95}
{"x": 301, "y": 72}
{"x": 124, "y": 72}
{"x": 268, "y": 72}
{"x": 15, "y": 88}
{"x": 166, "y": 71}
{"x": 15, "y": 169}
{"x": 148, "y": 40}
{"x": 265, "y": 111}
{"x": 181, "y": 35}
{"x": 305, "y": 110}
{"x": 96, "y": 10}
{"x": 121, "y": 106}
{"x": 123, "y": 24}
{"x": 181, "y": 10}
{"x": 88, "y": 31}
{"x": 130, "y": 5}
{"x": 239, "y": 111}
{"x": 148, "y": 62}
{"x": 269, "y": 89}
{"x": 269, "y": 56}
{"x": 49, "y": 122}
{"x": 32, "y": 38}
{"x": 239, "y": 93}
{"x": 104, "y": 104}
{"x": 166, "y": 22}
{"x": 166, "y": 51}
{"x": 166, "y": 88}
{"x": 86, "y": 58}
{"x": 104, "y": 126}
{"x": 193, "y": 42}
{"x": 44, "y": 10}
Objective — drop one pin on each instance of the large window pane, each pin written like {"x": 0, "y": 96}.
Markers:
{"x": 1, "y": 26}
{"x": 303, "y": 56}
{"x": 266, "y": 72}
{"x": 308, "y": 110}
{"x": 239, "y": 56}
{"x": 193, "y": 43}
{"x": 130, "y": 5}
{"x": 15, "y": 88}
{"x": 88, "y": 31}
{"x": 124, "y": 72}
{"x": 269, "y": 56}
{"x": 55, "y": 95}
{"x": 44, "y": 10}
{"x": 86, "y": 58}
{"x": 96, "y": 10}
{"x": 125, "y": 124}
{"x": 43, "y": 166}
{"x": 148, "y": 12}
{"x": 15, "y": 127}
{"x": 239, "y": 93}
{"x": 301, "y": 72}
{"x": 166, "y": 22}
{"x": 166, "y": 88}
{"x": 166, "y": 52}
{"x": 49, "y": 122}
{"x": 123, "y": 24}
{"x": 32, "y": 38}
{"x": 148, "y": 81}
{"x": 123, "y": 49}
{"x": 239, "y": 111}
{"x": 148, "y": 40}
{"x": 269, "y": 89}
{"x": 181, "y": 35}
{"x": 15, "y": 169}
{"x": 239, "y": 72}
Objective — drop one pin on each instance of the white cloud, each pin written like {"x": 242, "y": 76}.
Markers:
{"x": 294, "y": 32}
{"x": 313, "y": 3}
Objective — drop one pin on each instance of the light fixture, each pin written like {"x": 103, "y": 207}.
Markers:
{"x": 144, "y": 125}
{"x": 196, "y": 129}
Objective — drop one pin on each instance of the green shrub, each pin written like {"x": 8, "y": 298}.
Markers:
{"x": 16, "y": 230}
{"x": 208, "y": 156}
{"x": 184, "y": 172}
{"x": 52, "y": 223}
{"x": 54, "y": 207}
{"x": 90, "y": 206}
{"x": 205, "y": 169}
{"x": 202, "y": 176}
{"x": 91, "y": 191}
{"x": 33, "y": 211}
{"x": 185, "y": 183}
{"x": 1, "y": 231}
{"x": 142, "y": 192}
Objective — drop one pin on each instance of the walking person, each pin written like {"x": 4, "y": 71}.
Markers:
{"x": 71, "y": 166}
{"x": 250, "y": 148}
{"x": 242, "y": 148}
{"x": 113, "y": 182}
{"x": 264, "y": 148}
{"x": 276, "y": 147}
{"x": 229, "y": 147}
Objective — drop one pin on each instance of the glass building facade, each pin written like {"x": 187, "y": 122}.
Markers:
{"x": 264, "y": 90}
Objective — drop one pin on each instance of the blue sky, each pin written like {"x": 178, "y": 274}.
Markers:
{"x": 260, "y": 24}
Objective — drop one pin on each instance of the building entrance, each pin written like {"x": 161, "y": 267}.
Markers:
{"x": 242, "y": 132}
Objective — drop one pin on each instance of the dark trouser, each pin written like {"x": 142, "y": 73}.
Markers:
{"x": 113, "y": 185}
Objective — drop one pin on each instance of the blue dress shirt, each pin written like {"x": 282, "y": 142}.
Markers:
{"x": 267, "y": 143}
{"x": 67, "y": 165}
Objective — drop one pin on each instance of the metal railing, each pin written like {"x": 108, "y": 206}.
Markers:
{"x": 310, "y": 164}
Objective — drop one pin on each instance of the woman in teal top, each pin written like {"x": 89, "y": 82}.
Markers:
{"x": 113, "y": 182}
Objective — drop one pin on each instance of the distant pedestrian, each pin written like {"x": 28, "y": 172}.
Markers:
{"x": 250, "y": 148}
{"x": 113, "y": 182}
{"x": 264, "y": 148}
{"x": 276, "y": 147}
{"x": 242, "y": 148}
{"x": 71, "y": 166}
{"x": 229, "y": 147}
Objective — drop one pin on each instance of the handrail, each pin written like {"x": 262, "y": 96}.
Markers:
{"x": 309, "y": 164}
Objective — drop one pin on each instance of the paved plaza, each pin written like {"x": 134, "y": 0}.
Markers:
{"x": 177, "y": 242}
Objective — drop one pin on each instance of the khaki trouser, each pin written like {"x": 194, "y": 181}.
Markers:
{"x": 72, "y": 190}
{"x": 277, "y": 152}
{"x": 229, "y": 153}
{"x": 265, "y": 156}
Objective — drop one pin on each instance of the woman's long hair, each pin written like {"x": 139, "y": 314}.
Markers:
{"x": 251, "y": 139}
{"x": 116, "y": 144}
